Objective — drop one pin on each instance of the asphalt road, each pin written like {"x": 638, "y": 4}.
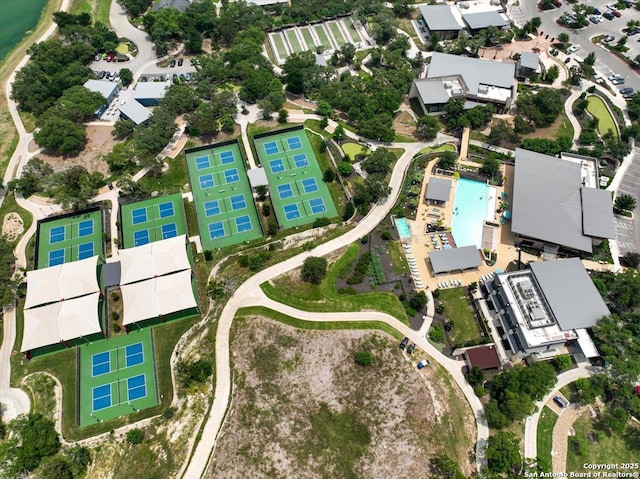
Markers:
{"x": 606, "y": 62}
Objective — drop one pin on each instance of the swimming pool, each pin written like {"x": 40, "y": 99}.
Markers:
{"x": 470, "y": 209}
{"x": 404, "y": 230}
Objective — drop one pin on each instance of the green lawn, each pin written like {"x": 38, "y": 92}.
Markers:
{"x": 460, "y": 313}
{"x": 600, "y": 111}
{"x": 398, "y": 260}
{"x": 306, "y": 34}
{"x": 337, "y": 34}
{"x": 352, "y": 149}
{"x": 325, "y": 297}
{"x": 171, "y": 180}
{"x": 294, "y": 43}
{"x": 322, "y": 35}
{"x": 445, "y": 147}
{"x": 547, "y": 422}
{"x": 595, "y": 447}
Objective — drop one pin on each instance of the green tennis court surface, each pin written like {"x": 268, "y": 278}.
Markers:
{"x": 222, "y": 196}
{"x": 298, "y": 194}
{"x": 152, "y": 220}
{"x": 70, "y": 238}
{"x": 117, "y": 377}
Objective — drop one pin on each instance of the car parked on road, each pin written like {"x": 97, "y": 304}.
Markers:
{"x": 404, "y": 343}
{"x": 110, "y": 56}
{"x": 608, "y": 15}
{"x": 612, "y": 7}
{"x": 596, "y": 11}
{"x": 573, "y": 48}
{"x": 180, "y": 62}
{"x": 618, "y": 81}
{"x": 423, "y": 364}
{"x": 172, "y": 63}
{"x": 608, "y": 38}
{"x": 632, "y": 31}
{"x": 617, "y": 14}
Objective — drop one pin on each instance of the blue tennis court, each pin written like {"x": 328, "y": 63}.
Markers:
{"x": 271, "y": 148}
{"x": 57, "y": 234}
{"x": 317, "y": 205}
{"x": 136, "y": 387}
{"x": 309, "y": 185}
{"x": 212, "y": 208}
{"x": 277, "y": 166}
{"x": 134, "y": 354}
{"x": 166, "y": 210}
{"x": 238, "y": 202}
{"x": 101, "y": 396}
{"x": 85, "y": 250}
{"x": 139, "y": 216}
{"x": 140, "y": 237}
{"x": 56, "y": 257}
{"x": 243, "y": 223}
{"x": 169, "y": 231}
{"x": 231, "y": 176}
{"x": 285, "y": 191}
{"x": 85, "y": 228}
{"x": 291, "y": 211}
{"x": 100, "y": 363}
{"x": 216, "y": 230}
{"x": 206, "y": 181}
{"x": 301, "y": 160}
{"x": 226, "y": 157}
{"x": 294, "y": 143}
{"x": 202, "y": 162}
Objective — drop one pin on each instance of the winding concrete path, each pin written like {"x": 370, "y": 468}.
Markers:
{"x": 249, "y": 293}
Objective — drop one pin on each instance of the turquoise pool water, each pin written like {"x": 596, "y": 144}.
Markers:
{"x": 469, "y": 212}
{"x": 404, "y": 231}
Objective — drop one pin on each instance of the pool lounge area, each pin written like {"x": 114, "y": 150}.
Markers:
{"x": 474, "y": 203}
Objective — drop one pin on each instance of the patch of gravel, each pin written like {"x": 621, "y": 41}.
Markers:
{"x": 283, "y": 376}
{"x": 12, "y": 226}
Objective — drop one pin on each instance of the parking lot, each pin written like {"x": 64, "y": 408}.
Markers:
{"x": 626, "y": 228}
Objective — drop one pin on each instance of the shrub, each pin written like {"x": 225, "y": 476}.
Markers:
{"x": 361, "y": 269}
{"x": 114, "y": 315}
{"x": 364, "y": 358}
{"x": 436, "y": 333}
{"x": 272, "y": 228}
{"x": 208, "y": 255}
{"x": 329, "y": 175}
{"x": 266, "y": 210}
{"x": 135, "y": 436}
{"x": 386, "y": 235}
{"x": 345, "y": 168}
{"x": 320, "y": 222}
{"x": 115, "y": 297}
{"x": 196, "y": 372}
{"x": 349, "y": 209}
{"x": 169, "y": 412}
{"x": 314, "y": 270}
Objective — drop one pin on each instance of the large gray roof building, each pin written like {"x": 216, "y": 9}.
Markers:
{"x": 550, "y": 205}
{"x": 455, "y": 259}
{"x": 479, "y": 20}
{"x": 439, "y": 18}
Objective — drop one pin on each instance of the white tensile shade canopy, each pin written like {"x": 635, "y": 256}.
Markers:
{"x": 61, "y": 321}
{"x": 62, "y": 282}
{"x": 157, "y": 297}
{"x": 153, "y": 259}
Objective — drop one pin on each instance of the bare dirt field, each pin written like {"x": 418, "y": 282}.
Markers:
{"x": 12, "y": 226}
{"x": 302, "y": 408}
{"x": 99, "y": 143}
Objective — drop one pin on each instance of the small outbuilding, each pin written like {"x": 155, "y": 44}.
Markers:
{"x": 438, "y": 191}
{"x": 107, "y": 89}
{"x": 484, "y": 357}
{"x": 455, "y": 259}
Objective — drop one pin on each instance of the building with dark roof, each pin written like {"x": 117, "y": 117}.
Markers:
{"x": 438, "y": 190}
{"x": 483, "y": 357}
{"x": 552, "y": 208}
{"x": 547, "y": 308}
{"x": 476, "y": 80}
{"x": 455, "y": 259}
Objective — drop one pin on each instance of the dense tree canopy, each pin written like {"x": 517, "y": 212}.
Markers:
{"x": 314, "y": 270}
{"x": 542, "y": 107}
{"x": 32, "y": 438}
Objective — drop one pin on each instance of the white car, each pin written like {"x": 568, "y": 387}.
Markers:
{"x": 573, "y": 48}
{"x": 612, "y": 7}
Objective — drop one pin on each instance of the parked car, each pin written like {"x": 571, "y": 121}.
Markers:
{"x": 618, "y": 81}
{"x": 172, "y": 63}
{"x": 187, "y": 76}
{"x": 567, "y": 60}
{"x": 98, "y": 57}
{"x": 626, "y": 91}
{"x": 110, "y": 56}
{"x": 617, "y": 14}
{"x": 423, "y": 364}
{"x": 560, "y": 401}
{"x": 102, "y": 74}
{"x": 595, "y": 18}
{"x": 608, "y": 38}
{"x": 404, "y": 343}
{"x": 411, "y": 347}
{"x": 608, "y": 15}
{"x": 596, "y": 11}
{"x": 557, "y": 3}
{"x": 573, "y": 48}
{"x": 180, "y": 62}
{"x": 613, "y": 76}
{"x": 143, "y": 79}
{"x": 612, "y": 7}
{"x": 631, "y": 32}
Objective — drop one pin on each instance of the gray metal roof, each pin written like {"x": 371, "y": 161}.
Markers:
{"x": 151, "y": 90}
{"x": 257, "y": 177}
{"x": 180, "y": 5}
{"x": 570, "y": 293}
{"x": 474, "y": 71}
{"x": 431, "y": 91}
{"x": 597, "y": 213}
{"x": 529, "y": 60}
{"x": 105, "y": 88}
{"x": 455, "y": 259}
{"x": 134, "y": 111}
{"x": 439, "y": 18}
{"x": 484, "y": 19}
{"x": 111, "y": 274}
{"x": 438, "y": 189}
{"x": 547, "y": 202}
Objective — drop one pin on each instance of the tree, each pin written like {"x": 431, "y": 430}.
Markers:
{"x": 262, "y": 191}
{"x": 126, "y": 76}
{"x": 445, "y": 467}
{"x": 502, "y": 132}
{"x": 60, "y": 135}
{"x": 349, "y": 210}
{"x": 33, "y": 439}
{"x": 135, "y": 436}
{"x": 418, "y": 301}
{"x": 563, "y": 362}
{"x": 152, "y": 137}
{"x": 563, "y": 38}
{"x": 329, "y": 175}
{"x": 503, "y": 453}
{"x": 494, "y": 416}
{"x": 379, "y": 161}
{"x": 447, "y": 160}
{"x": 345, "y": 168}
{"x": 76, "y": 186}
{"x": 631, "y": 259}
{"x": 123, "y": 129}
{"x": 543, "y": 107}
{"x": 552, "y": 73}
{"x": 180, "y": 98}
{"x": 490, "y": 165}
{"x": 56, "y": 466}
{"x": 314, "y": 270}
{"x": 624, "y": 203}
{"x": 428, "y": 126}
{"x": 475, "y": 376}
{"x": 204, "y": 120}
{"x": 122, "y": 158}
{"x": 36, "y": 176}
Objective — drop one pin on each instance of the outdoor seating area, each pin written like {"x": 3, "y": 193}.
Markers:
{"x": 413, "y": 267}
{"x": 452, "y": 283}
{"x": 440, "y": 241}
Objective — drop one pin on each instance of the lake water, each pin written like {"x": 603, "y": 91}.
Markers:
{"x": 17, "y": 18}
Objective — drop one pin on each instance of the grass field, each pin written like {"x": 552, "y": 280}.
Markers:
{"x": 595, "y": 447}
{"x": 325, "y": 297}
{"x": 222, "y": 196}
{"x": 298, "y": 194}
{"x": 445, "y": 147}
{"x": 336, "y": 33}
{"x": 352, "y": 149}
{"x": 322, "y": 35}
{"x": 151, "y": 220}
{"x": 459, "y": 312}
{"x": 306, "y": 34}
{"x": 119, "y": 367}
{"x": 293, "y": 40}
{"x": 278, "y": 42}
{"x": 68, "y": 239}
{"x": 547, "y": 422}
{"x": 599, "y": 110}
{"x": 351, "y": 28}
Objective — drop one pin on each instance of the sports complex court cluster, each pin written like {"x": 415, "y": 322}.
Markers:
{"x": 74, "y": 278}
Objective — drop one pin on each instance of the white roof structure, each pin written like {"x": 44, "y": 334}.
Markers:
{"x": 153, "y": 259}
{"x": 61, "y": 321}
{"x": 105, "y": 88}
{"x": 134, "y": 111}
{"x": 151, "y": 90}
{"x": 62, "y": 282}
{"x": 157, "y": 297}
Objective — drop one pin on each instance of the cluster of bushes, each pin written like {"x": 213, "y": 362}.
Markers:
{"x": 196, "y": 372}
{"x": 375, "y": 270}
{"x": 362, "y": 266}
{"x": 255, "y": 262}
